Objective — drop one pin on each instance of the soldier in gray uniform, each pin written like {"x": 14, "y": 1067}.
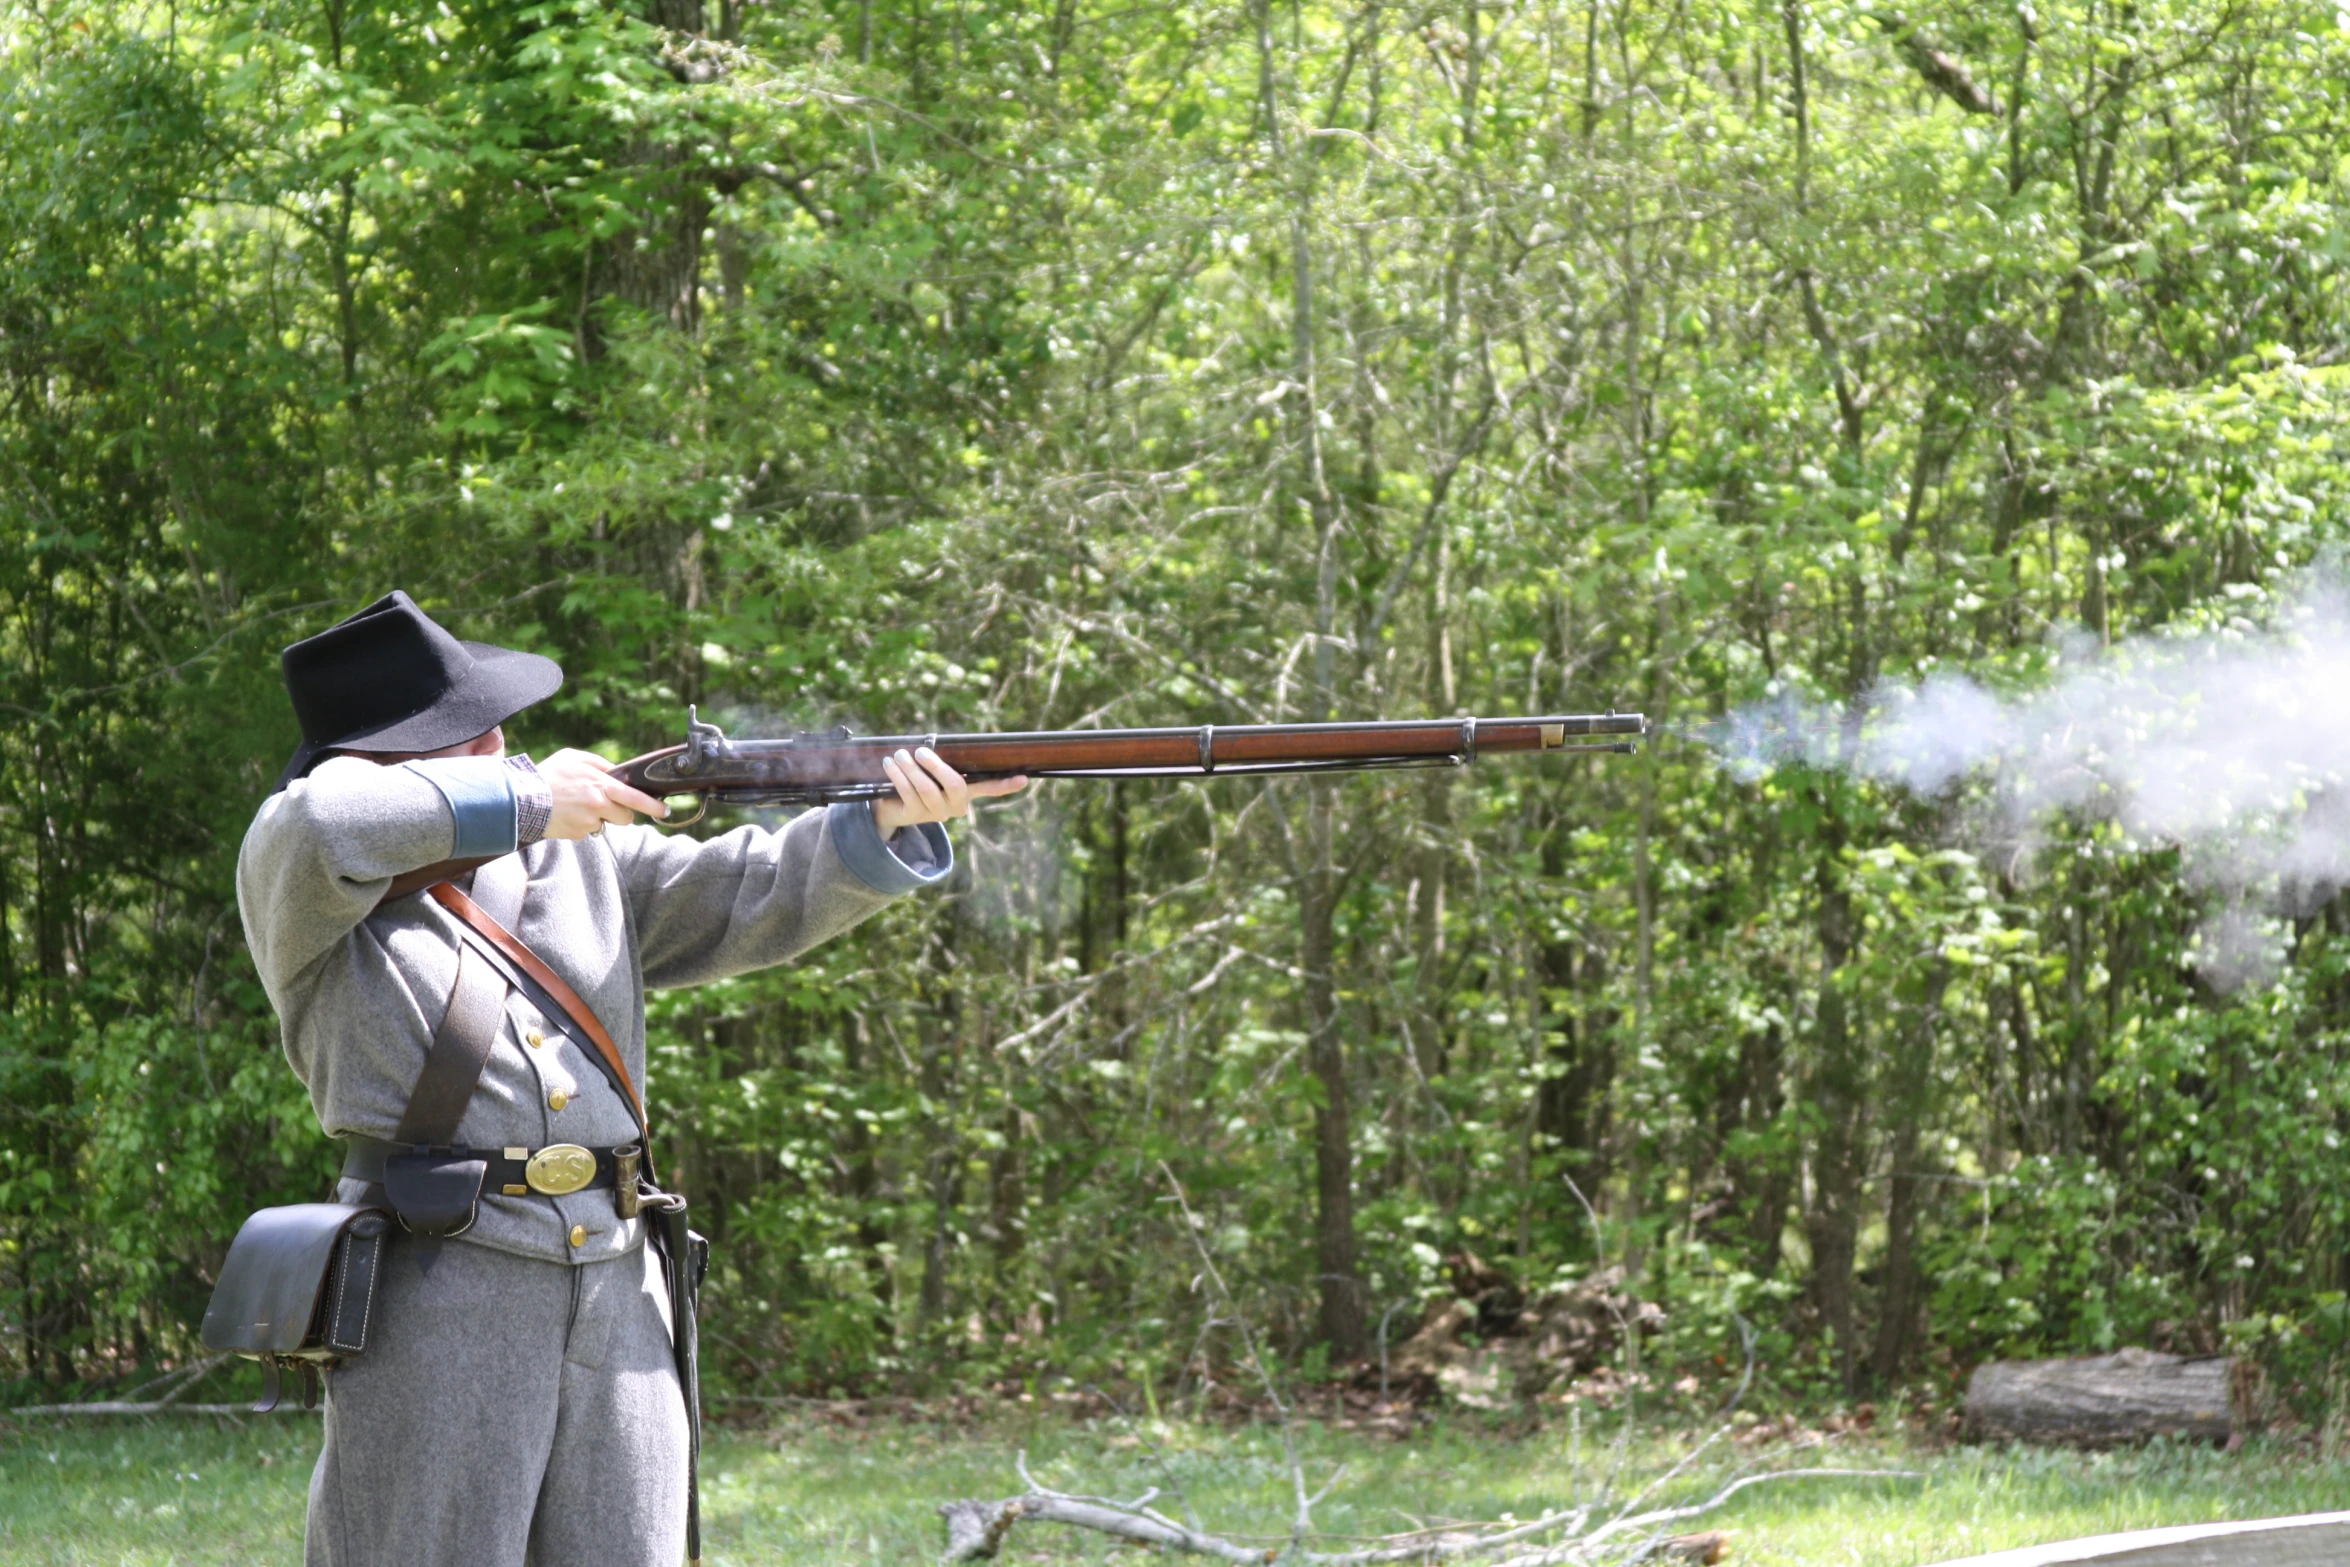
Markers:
{"x": 518, "y": 1400}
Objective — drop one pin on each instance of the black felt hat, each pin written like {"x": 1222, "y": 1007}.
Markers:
{"x": 390, "y": 679}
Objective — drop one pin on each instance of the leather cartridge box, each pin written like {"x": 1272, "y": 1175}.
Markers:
{"x": 299, "y": 1282}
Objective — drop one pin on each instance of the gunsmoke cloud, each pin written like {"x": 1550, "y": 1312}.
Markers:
{"x": 2232, "y": 744}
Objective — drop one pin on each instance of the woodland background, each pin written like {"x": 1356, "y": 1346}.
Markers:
{"x": 934, "y": 363}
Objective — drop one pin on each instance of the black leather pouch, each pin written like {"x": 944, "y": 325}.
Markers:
{"x": 298, "y": 1290}
{"x": 433, "y": 1191}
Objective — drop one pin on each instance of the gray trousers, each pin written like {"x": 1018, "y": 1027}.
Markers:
{"x": 507, "y": 1412}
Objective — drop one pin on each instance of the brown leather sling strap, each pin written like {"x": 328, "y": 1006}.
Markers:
{"x": 511, "y": 948}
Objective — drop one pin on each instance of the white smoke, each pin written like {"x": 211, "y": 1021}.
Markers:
{"x": 2232, "y": 744}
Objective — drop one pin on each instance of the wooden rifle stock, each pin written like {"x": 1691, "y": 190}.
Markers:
{"x": 815, "y": 769}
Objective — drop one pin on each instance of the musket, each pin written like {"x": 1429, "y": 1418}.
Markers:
{"x": 820, "y": 768}
{"x": 835, "y": 765}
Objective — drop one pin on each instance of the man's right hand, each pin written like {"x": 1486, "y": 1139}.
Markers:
{"x": 586, "y": 796}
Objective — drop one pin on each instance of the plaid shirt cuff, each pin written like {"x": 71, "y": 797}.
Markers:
{"x": 534, "y": 802}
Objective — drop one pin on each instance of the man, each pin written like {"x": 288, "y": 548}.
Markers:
{"x": 518, "y": 1399}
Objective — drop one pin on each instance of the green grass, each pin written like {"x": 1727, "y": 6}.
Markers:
{"x": 190, "y": 1491}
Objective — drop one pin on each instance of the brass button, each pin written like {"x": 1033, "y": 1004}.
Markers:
{"x": 578, "y": 1235}
{"x": 536, "y": 1038}
{"x": 558, "y": 1099}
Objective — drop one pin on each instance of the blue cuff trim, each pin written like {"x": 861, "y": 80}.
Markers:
{"x": 481, "y": 798}
{"x": 921, "y": 858}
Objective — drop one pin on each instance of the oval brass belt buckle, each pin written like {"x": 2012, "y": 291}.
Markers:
{"x": 560, "y": 1169}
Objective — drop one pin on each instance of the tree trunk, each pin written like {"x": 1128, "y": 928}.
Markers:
{"x": 1838, "y": 1082}
{"x": 657, "y": 265}
{"x": 1899, "y": 1302}
{"x": 1839, "y": 1078}
{"x": 1334, "y": 1217}
{"x": 1007, "y": 1221}
{"x": 1571, "y": 1105}
{"x": 863, "y": 1186}
{"x": 1913, "y": 1081}
{"x": 1760, "y": 1178}
{"x": 942, "y": 1168}
{"x": 1340, "y": 1289}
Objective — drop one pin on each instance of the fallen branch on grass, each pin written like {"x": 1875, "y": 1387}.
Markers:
{"x": 976, "y": 1531}
{"x": 181, "y": 1382}
{"x": 116, "y": 1407}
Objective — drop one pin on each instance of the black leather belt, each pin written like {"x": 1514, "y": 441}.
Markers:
{"x": 556, "y": 1170}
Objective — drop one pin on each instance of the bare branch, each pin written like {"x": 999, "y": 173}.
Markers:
{"x": 160, "y": 1407}
{"x": 1722, "y": 1496}
{"x": 181, "y": 1382}
{"x": 976, "y": 1530}
{"x": 1941, "y": 70}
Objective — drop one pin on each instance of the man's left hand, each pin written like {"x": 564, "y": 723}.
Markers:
{"x": 931, "y": 791}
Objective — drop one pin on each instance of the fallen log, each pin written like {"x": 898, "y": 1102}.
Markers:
{"x": 2103, "y": 1400}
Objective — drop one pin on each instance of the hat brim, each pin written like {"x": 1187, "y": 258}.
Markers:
{"x": 501, "y": 683}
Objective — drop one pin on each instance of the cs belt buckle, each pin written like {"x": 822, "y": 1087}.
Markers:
{"x": 560, "y": 1170}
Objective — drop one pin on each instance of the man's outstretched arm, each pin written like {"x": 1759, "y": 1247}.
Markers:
{"x": 752, "y": 898}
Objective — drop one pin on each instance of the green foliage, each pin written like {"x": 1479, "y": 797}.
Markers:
{"x": 1111, "y": 364}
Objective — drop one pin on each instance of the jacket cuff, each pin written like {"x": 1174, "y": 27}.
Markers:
{"x": 480, "y": 793}
{"x": 534, "y": 802}
{"x": 913, "y": 859}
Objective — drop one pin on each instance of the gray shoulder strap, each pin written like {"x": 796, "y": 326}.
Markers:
{"x": 469, "y": 1029}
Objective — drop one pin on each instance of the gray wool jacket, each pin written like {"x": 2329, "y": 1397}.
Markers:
{"x": 360, "y": 984}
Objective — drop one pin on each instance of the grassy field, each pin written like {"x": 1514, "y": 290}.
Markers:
{"x": 191, "y": 1491}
